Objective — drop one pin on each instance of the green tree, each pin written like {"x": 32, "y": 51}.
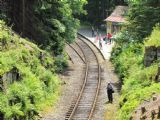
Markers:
{"x": 142, "y": 17}
{"x": 48, "y": 22}
{"x": 98, "y": 10}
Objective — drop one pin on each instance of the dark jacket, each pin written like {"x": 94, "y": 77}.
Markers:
{"x": 110, "y": 88}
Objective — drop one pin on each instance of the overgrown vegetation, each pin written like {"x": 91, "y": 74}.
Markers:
{"x": 28, "y": 80}
{"x": 37, "y": 84}
{"x": 47, "y": 23}
{"x": 139, "y": 82}
{"x": 50, "y": 23}
{"x": 143, "y": 16}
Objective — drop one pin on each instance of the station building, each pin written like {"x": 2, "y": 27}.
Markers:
{"x": 115, "y": 22}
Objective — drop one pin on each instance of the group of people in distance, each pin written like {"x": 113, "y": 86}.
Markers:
{"x": 106, "y": 38}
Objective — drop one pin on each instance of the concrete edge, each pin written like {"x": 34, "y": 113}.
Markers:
{"x": 92, "y": 44}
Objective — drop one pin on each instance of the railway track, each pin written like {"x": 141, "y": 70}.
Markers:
{"x": 83, "y": 106}
{"x": 77, "y": 49}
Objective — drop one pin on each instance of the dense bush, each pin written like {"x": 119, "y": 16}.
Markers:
{"x": 138, "y": 81}
{"x": 125, "y": 56}
{"x": 154, "y": 39}
{"x": 61, "y": 62}
{"x": 37, "y": 86}
{"x": 49, "y": 23}
{"x": 143, "y": 16}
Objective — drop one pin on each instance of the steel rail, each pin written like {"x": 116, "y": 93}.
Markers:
{"x": 80, "y": 94}
{"x": 70, "y": 58}
{"x": 98, "y": 85}
{"x": 77, "y": 53}
{"x": 83, "y": 87}
{"x": 92, "y": 44}
{"x": 84, "y": 83}
{"x": 81, "y": 50}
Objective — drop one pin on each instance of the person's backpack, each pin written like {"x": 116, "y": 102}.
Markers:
{"x": 109, "y": 87}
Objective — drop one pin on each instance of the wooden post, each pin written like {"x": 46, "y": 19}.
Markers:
{"x": 154, "y": 98}
{"x": 153, "y": 113}
{"x": 158, "y": 116}
{"x": 131, "y": 118}
{"x": 143, "y": 110}
{"x": 143, "y": 117}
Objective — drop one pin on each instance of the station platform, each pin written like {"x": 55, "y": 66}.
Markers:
{"x": 106, "y": 47}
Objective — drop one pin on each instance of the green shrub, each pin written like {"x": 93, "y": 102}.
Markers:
{"x": 154, "y": 39}
{"x": 138, "y": 82}
{"x": 61, "y": 62}
{"x": 38, "y": 84}
{"x": 125, "y": 57}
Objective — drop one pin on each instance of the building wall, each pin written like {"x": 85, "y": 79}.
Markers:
{"x": 109, "y": 27}
{"x": 113, "y": 28}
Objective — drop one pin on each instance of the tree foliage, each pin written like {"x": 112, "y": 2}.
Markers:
{"x": 48, "y": 22}
{"x": 98, "y": 10}
{"x": 128, "y": 55}
{"x": 36, "y": 85}
{"x": 143, "y": 16}
{"x": 139, "y": 82}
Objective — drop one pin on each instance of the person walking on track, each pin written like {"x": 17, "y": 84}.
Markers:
{"x": 97, "y": 32}
{"x": 93, "y": 32}
{"x": 100, "y": 42}
{"x": 110, "y": 91}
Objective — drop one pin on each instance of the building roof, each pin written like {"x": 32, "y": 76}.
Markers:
{"x": 118, "y": 14}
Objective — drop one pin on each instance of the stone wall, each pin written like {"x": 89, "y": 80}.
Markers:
{"x": 152, "y": 53}
{"x": 9, "y": 78}
{"x": 148, "y": 110}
